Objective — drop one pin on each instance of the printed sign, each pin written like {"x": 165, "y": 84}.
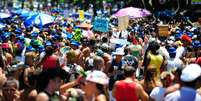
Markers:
{"x": 123, "y": 23}
{"x": 81, "y": 14}
{"x": 78, "y": 35}
{"x": 101, "y": 24}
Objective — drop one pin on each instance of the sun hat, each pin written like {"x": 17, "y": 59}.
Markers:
{"x": 190, "y": 72}
{"x": 98, "y": 77}
{"x": 118, "y": 51}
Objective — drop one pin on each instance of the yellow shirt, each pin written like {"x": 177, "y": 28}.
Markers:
{"x": 156, "y": 61}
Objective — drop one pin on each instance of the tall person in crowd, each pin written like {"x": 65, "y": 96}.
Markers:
{"x": 129, "y": 89}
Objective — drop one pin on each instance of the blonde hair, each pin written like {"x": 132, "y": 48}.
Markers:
{"x": 29, "y": 55}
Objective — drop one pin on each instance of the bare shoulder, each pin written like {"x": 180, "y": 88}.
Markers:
{"x": 101, "y": 97}
{"x": 33, "y": 93}
{"x": 139, "y": 87}
{"x": 116, "y": 83}
{"x": 42, "y": 97}
{"x": 141, "y": 82}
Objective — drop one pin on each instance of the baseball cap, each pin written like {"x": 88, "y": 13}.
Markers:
{"x": 186, "y": 38}
{"x": 75, "y": 43}
{"x": 172, "y": 50}
{"x": 190, "y": 73}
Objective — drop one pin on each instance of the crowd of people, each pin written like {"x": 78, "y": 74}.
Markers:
{"x": 52, "y": 63}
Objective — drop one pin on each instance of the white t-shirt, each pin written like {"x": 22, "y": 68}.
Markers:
{"x": 184, "y": 94}
{"x": 158, "y": 93}
{"x": 180, "y": 51}
{"x": 174, "y": 63}
{"x": 163, "y": 51}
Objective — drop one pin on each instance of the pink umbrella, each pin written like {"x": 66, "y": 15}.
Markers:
{"x": 132, "y": 12}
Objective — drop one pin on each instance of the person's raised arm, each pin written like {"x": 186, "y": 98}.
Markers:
{"x": 68, "y": 85}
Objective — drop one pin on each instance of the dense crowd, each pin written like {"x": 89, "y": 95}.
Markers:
{"x": 52, "y": 63}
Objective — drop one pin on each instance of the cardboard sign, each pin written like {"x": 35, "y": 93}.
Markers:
{"x": 163, "y": 30}
{"x": 123, "y": 23}
{"x": 101, "y": 24}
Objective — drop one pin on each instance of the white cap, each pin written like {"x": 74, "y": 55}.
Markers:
{"x": 191, "y": 72}
{"x": 98, "y": 77}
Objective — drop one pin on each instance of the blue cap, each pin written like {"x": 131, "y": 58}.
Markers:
{"x": 56, "y": 36}
{"x": 118, "y": 46}
{"x": 75, "y": 43}
{"x": 69, "y": 36}
{"x": 20, "y": 37}
{"x": 177, "y": 36}
{"x": 19, "y": 31}
{"x": 34, "y": 34}
{"x": 5, "y": 36}
{"x": 41, "y": 48}
{"x": 196, "y": 44}
{"x": 48, "y": 43}
{"x": 172, "y": 50}
{"x": 30, "y": 49}
{"x": 190, "y": 34}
